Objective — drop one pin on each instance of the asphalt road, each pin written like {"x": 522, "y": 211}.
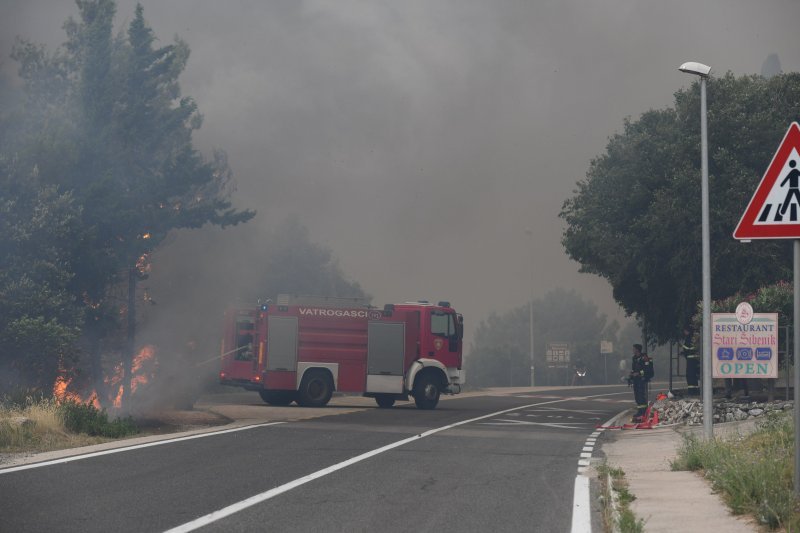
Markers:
{"x": 501, "y": 463}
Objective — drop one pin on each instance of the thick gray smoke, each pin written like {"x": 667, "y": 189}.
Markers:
{"x": 419, "y": 140}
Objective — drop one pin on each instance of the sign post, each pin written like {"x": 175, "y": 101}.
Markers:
{"x": 774, "y": 213}
{"x": 606, "y": 347}
{"x": 796, "y": 373}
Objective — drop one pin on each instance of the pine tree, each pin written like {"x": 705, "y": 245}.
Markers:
{"x": 120, "y": 142}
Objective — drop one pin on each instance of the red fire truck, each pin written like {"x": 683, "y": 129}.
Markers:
{"x": 302, "y": 350}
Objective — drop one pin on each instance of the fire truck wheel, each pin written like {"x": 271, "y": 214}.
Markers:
{"x": 426, "y": 391}
{"x": 315, "y": 390}
{"x": 277, "y": 397}
{"x": 384, "y": 400}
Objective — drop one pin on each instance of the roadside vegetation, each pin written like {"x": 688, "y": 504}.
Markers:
{"x": 617, "y": 514}
{"x": 752, "y": 472}
{"x": 43, "y": 424}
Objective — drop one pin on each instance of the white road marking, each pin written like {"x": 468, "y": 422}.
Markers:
{"x": 581, "y": 515}
{"x": 582, "y": 411}
{"x": 264, "y": 496}
{"x": 501, "y": 422}
{"x": 133, "y": 447}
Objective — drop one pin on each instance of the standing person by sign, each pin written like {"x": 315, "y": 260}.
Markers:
{"x": 689, "y": 351}
{"x": 641, "y": 373}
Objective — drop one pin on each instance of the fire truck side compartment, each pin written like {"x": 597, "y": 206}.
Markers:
{"x": 282, "y": 343}
{"x": 385, "y": 351}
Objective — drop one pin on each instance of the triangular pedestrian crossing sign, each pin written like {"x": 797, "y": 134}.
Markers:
{"x": 774, "y": 209}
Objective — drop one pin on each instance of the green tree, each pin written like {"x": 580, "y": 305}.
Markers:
{"x": 635, "y": 218}
{"x": 500, "y": 353}
{"x": 105, "y": 120}
{"x": 39, "y": 317}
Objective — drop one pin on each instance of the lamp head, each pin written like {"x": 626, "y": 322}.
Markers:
{"x": 692, "y": 67}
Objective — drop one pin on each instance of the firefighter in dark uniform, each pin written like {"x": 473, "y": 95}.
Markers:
{"x": 689, "y": 351}
{"x": 638, "y": 379}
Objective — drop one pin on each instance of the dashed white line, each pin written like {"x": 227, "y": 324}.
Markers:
{"x": 581, "y": 517}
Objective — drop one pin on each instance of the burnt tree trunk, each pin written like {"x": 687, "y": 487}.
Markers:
{"x": 96, "y": 361}
{"x": 130, "y": 342}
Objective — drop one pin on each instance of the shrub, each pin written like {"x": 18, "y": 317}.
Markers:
{"x": 86, "y": 418}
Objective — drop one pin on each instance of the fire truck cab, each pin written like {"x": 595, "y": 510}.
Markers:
{"x": 303, "y": 349}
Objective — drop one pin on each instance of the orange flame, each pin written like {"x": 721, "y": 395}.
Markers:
{"x": 61, "y": 394}
{"x": 142, "y": 369}
{"x": 141, "y": 361}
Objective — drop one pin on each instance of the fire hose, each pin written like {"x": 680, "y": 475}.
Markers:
{"x": 220, "y": 356}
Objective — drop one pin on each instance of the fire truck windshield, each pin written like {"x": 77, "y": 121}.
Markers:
{"x": 443, "y": 324}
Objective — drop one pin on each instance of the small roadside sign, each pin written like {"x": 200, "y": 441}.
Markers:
{"x": 774, "y": 209}
{"x": 606, "y": 347}
{"x": 557, "y": 352}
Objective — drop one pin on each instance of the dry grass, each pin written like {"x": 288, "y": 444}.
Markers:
{"x": 617, "y": 514}
{"x": 37, "y": 426}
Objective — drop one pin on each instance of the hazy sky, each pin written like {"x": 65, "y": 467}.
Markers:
{"x": 419, "y": 139}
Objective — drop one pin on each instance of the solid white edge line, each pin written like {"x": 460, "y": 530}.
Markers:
{"x": 581, "y": 515}
{"x": 271, "y": 493}
{"x": 132, "y": 447}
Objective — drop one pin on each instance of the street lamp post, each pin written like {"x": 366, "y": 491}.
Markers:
{"x": 702, "y": 71}
{"x": 529, "y": 233}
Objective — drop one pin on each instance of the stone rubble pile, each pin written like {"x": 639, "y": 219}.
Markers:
{"x": 690, "y": 412}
